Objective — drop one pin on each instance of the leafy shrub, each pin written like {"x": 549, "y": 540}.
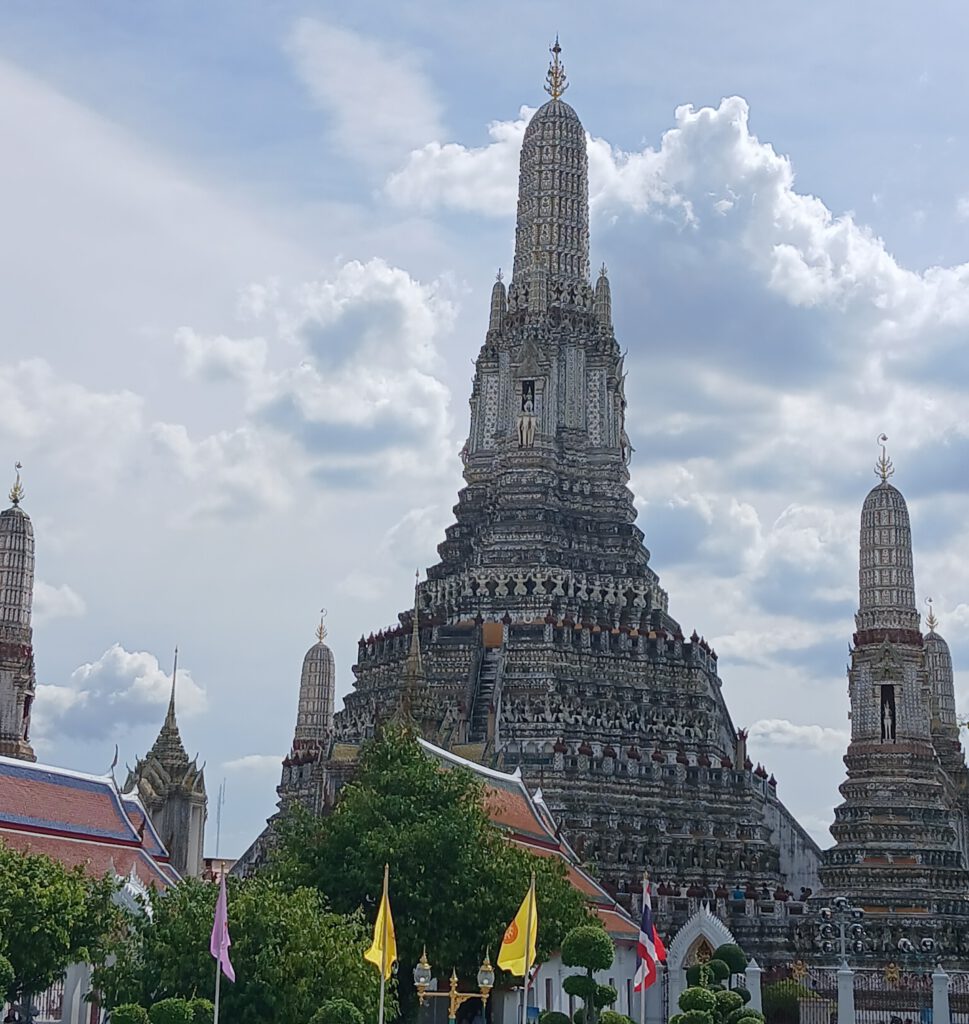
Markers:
{"x": 744, "y": 1013}
{"x": 171, "y": 1011}
{"x": 580, "y": 985}
{"x": 677, "y": 1018}
{"x": 203, "y": 1011}
{"x": 579, "y": 1016}
{"x": 605, "y": 995}
{"x": 612, "y": 1017}
{"x": 698, "y": 999}
{"x": 781, "y": 1001}
{"x": 720, "y": 969}
{"x": 727, "y": 1002}
{"x": 588, "y": 946}
{"x": 743, "y": 992}
{"x": 733, "y": 956}
{"x": 129, "y": 1013}
{"x": 553, "y": 1017}
{"x": 337, "y": 1011}
{"x": 696, "y": 1017}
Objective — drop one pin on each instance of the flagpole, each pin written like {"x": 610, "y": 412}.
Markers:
{"x": 528, "y": 940}
{"x": 218, "y": 986}
{"x": 383, "y": 951}
{"x": 642, "y": 990}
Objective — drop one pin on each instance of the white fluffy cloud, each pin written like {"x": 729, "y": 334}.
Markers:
{"x": 119, "y": 690}
{"x": 780, "y": 732}
{"x": 346, "y": 389}
{"x": 378, "y": 101}
{"x": 255, "y": 764}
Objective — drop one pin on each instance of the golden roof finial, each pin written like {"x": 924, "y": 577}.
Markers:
{"x": 17, "y": 491}
{"x": 321, "y": 629}
{"x": 931, "y": 621}
{"x": 555, "y": 82}
{"x": 884, "y": 467}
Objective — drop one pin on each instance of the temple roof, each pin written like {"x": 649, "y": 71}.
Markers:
{"x": 79, "y": 819}
{"x": 528, "y": 823}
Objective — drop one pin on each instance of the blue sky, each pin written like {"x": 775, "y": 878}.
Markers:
{"x": 249, "y": 248}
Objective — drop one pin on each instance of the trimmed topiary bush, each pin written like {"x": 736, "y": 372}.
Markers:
{"x": 337, "y": 1011}
{"x": 696, "y": 1017}
{"x": 579, "y": 1016}
{"x": 613, "y": 1017}
{"x": 698, "y": 999}
{"x": 605, "y": 995}
{"x": 553, "y": 1017}
{"x": 588, "y": 946}
{"x": 720, "y": 969}
{"x": 727, "y": 1002}
{"x": 744, "y": 1013}
{"x": 733, "y": 956}
{"x": 129, "y": 1013}
{"x": 580, "y": 986}
{"x": 743, "y": 992}
{"x": 171, "y": 1011}
{"x": 203, "y": 1011}
{"x": 677, "y": 1018}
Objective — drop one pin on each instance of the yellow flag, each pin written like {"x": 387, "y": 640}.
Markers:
{"x": 517, "y": 953}
{"x": 383, "y": 952}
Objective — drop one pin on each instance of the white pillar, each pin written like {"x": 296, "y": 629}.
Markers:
{"x": 752, "y": 977}
{"x": 846, "y": 994}
{"x": 940, "y": 996}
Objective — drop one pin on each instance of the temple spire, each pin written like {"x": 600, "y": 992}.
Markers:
{"x": 321, "y": 628}
{"x": 17, "y": 491}
{"x": 414, "y": 670}
{"x": 884, "y": 467}
{"x": 931, "y": 621}
{"x": 555, "y": 80}
{"x": 170, "y": 717}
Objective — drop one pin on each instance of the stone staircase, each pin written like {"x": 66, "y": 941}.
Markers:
{"x": 484, "y": 692}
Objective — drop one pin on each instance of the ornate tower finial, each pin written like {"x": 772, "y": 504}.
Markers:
{"x": 931, "y": 621}
{"x": 321, "y": 628}
{"x": 884, "y": 467}
{"x": 17, "y": 491}
{"x": 170, "y": 717}
{"x": 555, "y": 81}
{"x": 499, "y": 276}
{"x": 603, "y": 270}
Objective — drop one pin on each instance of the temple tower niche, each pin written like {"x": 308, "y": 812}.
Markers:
{"x": 17, "y": 681}
{"x": 898, "y": 842}
{"x": 172, "y": 788}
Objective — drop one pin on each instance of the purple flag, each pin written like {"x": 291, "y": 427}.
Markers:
{"x": 220, "y": 941}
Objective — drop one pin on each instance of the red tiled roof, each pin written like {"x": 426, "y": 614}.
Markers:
{"x": 528, "y": 824}
{"x": 79, "y": 819}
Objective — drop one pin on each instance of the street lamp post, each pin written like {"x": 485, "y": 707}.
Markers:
{"x": 422, "y": 978}
{"x": 843, "y": 921}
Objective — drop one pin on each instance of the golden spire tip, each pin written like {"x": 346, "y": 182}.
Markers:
{"x": 321, "y": 628}
{"x": 931, "y": 621}
{"x": 17, "y": 491}
{"x": 555, "y": 80}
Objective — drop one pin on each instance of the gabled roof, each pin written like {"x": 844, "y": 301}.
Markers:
{"x": 79, "y": 819}
{"x": 528, "y": 823}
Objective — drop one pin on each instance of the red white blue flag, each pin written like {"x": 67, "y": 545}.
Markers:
{"x": 649, "y": 946}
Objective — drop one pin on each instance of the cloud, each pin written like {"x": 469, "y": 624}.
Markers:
{"x": 120, "y": 690}
{"x": 56, "y": 603}
{"x": 379, "y": 102}
{"x": 257, "y": 764}
{"x": 780, "y": 732}
{"x": 482, "y": 179}
{"x": 354, "y": 396}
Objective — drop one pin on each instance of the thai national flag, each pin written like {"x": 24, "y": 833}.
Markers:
{"x": 649, "y": 947}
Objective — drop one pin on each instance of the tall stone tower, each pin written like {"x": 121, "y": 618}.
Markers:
{"x": 545, "y": 638}
{"x": 17, "y": 682}
{"x": 302, "y": 768}
{"x": 172, "y": 788}
{"x": 900, "y": 832}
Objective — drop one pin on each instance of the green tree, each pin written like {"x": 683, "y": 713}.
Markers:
{"x": 50, "y": 917}
{"x": 590, "y": 947}
{"x": 455, "y": 882}
{"x": 203, "y": 1011}
{"x": 337, "y": 1011}
{"x": 289, "y": 950}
